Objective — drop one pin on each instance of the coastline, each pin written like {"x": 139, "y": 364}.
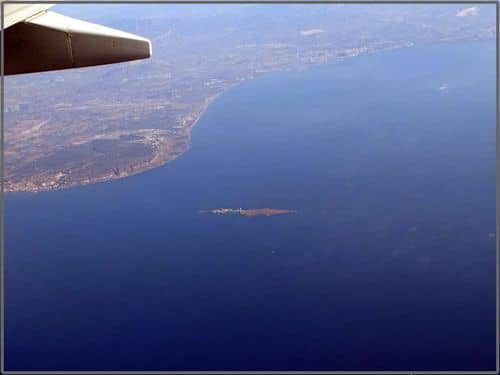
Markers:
{"x": 166, "y": 152}
{"x": 161, "y": 156}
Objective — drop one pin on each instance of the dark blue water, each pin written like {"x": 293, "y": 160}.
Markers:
{"x": 389, "y": 263}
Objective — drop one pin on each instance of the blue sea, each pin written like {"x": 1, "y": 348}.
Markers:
{"x": 388, "y": 264}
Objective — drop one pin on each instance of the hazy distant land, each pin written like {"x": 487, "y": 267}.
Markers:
{"x": 99, "y": 124}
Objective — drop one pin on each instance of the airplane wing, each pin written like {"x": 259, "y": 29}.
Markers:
{"x": 38, "y": 40}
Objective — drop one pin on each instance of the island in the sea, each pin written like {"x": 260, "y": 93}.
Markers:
{"x": 249, "y": 211}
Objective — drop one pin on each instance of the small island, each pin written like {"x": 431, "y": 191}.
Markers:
{"x": 249, "y": 211}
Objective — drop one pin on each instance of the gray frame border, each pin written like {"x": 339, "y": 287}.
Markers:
{"x": 305, "y": 2}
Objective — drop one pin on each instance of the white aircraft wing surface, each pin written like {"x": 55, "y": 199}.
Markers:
{"x": 38, "y": 40}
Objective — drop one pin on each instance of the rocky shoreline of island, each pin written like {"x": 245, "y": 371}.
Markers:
{"x": 249, "y": 212}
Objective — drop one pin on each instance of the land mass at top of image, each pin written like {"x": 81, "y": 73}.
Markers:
{"x": 72, "y": 128}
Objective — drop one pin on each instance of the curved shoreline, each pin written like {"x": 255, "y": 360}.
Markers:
{"x": 164, "y": 154}
{"x": 160, "y": 157}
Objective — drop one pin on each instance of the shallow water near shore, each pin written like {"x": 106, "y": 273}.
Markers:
{"x": 388, "y": 263}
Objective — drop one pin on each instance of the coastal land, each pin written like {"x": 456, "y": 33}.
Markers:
{"x": 77, "y": 127}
